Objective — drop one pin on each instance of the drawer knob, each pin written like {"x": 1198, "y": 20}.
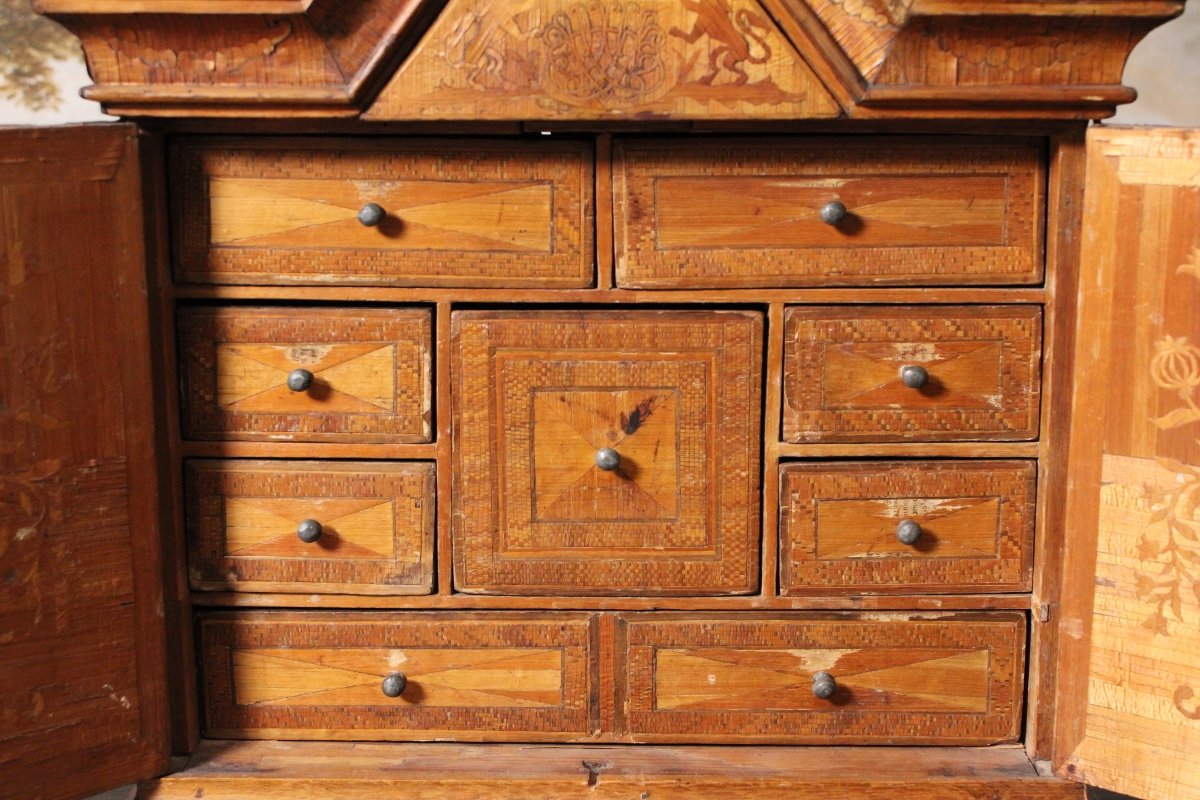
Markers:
{"x": 908, "y": 531}
{"x": 824, "y": 685}
{"x": 371, "y": 214}
{"x": 914, "y": 377}
{"x": 299, "y": 380}
{"x": 608, "y": 459}
{"x": 309, "y": 530}
{"x": 394, "y": 684}
{"x": 833, "y": 212}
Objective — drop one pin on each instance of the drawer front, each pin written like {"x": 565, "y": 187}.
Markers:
{"x": 367, "y": 373}
{"x": 917, "y": 373}
{"x": 543, "y": 398}
{"x": 943, "y": 527}
{"x": 766, "y": 213}
{"x": 894, "y": 678}
{"x": 455, "y": 214}
{"x": 466, "y": 677}
{"x": 331, "y": 527}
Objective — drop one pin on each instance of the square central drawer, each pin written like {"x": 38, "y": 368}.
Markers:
{"x": 606, "y": 452}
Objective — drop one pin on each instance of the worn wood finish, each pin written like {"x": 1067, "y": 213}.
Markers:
{"x": 376, "y": 519}
{"x": 676, "y": 394}
{"x": 462, "y": 213}
{"x": 842, "y": 365}
{"x": 900, "y": 678}
{"x": 371, "y": 368}
{"x": 471, "y": 677}
{"x": 920, "y": 211}
{"x": 564, "y": 59}
{"x": 82, "y": 640}
{"x": 1128, "y": 687}
{"x": 226, "y": 770}
{"x": 838, "y": 526}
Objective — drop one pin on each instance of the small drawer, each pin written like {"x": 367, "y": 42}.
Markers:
{"x": 853, "y": 211}
{"x": 396, "y": 213}
{"x": 411, "y": 676}
{"x": 916, "y": 373}
{"x": 331, "y": 527}
{"x": 305, "y": 374}
{"x": 825, "y": 678}
{"x": 869, "y": 528}
{"x": 602, "y": 453}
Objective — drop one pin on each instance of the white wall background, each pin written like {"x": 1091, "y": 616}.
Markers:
{"x": 1164, "y": 68}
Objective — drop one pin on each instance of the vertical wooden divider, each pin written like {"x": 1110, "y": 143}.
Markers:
{"x": 1063, "y": 230}
{"x": 773, "y": 400}
{"x": 441, "y": 388}
{"x": 605, "y": 253}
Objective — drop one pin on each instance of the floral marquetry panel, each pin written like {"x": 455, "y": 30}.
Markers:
{"x": 568, "y": 59}
{"x": 1134, "y": 507}
{"x": 368, "y": 526}
{"x": 897, "y": 679}
{"x": 606, "y": 452}
{"x": 466, "y": 677}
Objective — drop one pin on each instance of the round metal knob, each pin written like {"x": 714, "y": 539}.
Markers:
{"x": 823, "y": 685}
{"x": 914, "y": 377}
{"x": 608, "y": 459}
{"x": 908, "y": 531}
{"x": 299, "y": 380}
{"x": 309, "y": 530}
{"x": 833, "y": 212}
{"x": 371, "y": 214}
{"x": 393, "y": 685}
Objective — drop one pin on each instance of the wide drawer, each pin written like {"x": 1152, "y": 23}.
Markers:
{"x": 407, "y": 676}
{"x": 606, "y": 452}
{"x": 827, "y": 212}
{"x": 939, "y": 527}
{"x": 887, "y": 678}
{"x": 916, "y": 373}
{"x": 306, "y": 526}
{"x": 454, "y": 213}
{"x": 306, "y": 374}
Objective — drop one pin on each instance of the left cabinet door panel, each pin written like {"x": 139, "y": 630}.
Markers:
{"x": 81, "y": 626}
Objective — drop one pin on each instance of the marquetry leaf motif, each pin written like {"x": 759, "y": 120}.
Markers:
{"x": 583, "y": 59}
{"x": 748, "y": 679}
{"x": 504, "y": 677}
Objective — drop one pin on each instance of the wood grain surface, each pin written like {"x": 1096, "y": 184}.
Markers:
{"x": 372, "y": 374}
{"x": 82, "y": 639}
{"x": 376, "y": 518}
{"x": 458, "y": 213}
{"x": 471, "y": 677}
{"x": 1129, "y": 684}
{"x": 539, "y": 393}
{"x": 565, "y": 59}
{"x": 838, "y": 526}
{"x": 741, "y": 213}
{"x": 841, "y": 373}
{"x": 901, "y": 679}
{"x": 226, "y": 770}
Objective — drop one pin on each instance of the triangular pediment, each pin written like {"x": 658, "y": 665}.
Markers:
{"x": 579, "y": 59}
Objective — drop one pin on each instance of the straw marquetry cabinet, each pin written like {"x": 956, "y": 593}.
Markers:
{"x": 556, "y": 398}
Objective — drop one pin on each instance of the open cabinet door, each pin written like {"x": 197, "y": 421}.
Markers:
{"x": 82, "y": 697}
{"x": 1129, "y": 685}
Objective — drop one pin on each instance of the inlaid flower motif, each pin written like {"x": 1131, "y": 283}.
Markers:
{"x": 1175, "y": 367}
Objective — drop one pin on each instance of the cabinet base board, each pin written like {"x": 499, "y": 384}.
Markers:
{"x": 224, "y": 770}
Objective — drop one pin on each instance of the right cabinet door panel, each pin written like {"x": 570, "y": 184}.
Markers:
{"x": 823, "y": 679}
{"x": 892, "y": 527}
{"x": 912, "y": 373}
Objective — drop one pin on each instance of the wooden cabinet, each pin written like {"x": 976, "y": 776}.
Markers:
{"x": 615, "y": 381}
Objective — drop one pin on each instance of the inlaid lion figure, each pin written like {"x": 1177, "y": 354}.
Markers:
{"x": 739, "y": 38}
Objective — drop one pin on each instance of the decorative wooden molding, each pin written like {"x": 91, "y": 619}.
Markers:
{"x": 603, "y": 60}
